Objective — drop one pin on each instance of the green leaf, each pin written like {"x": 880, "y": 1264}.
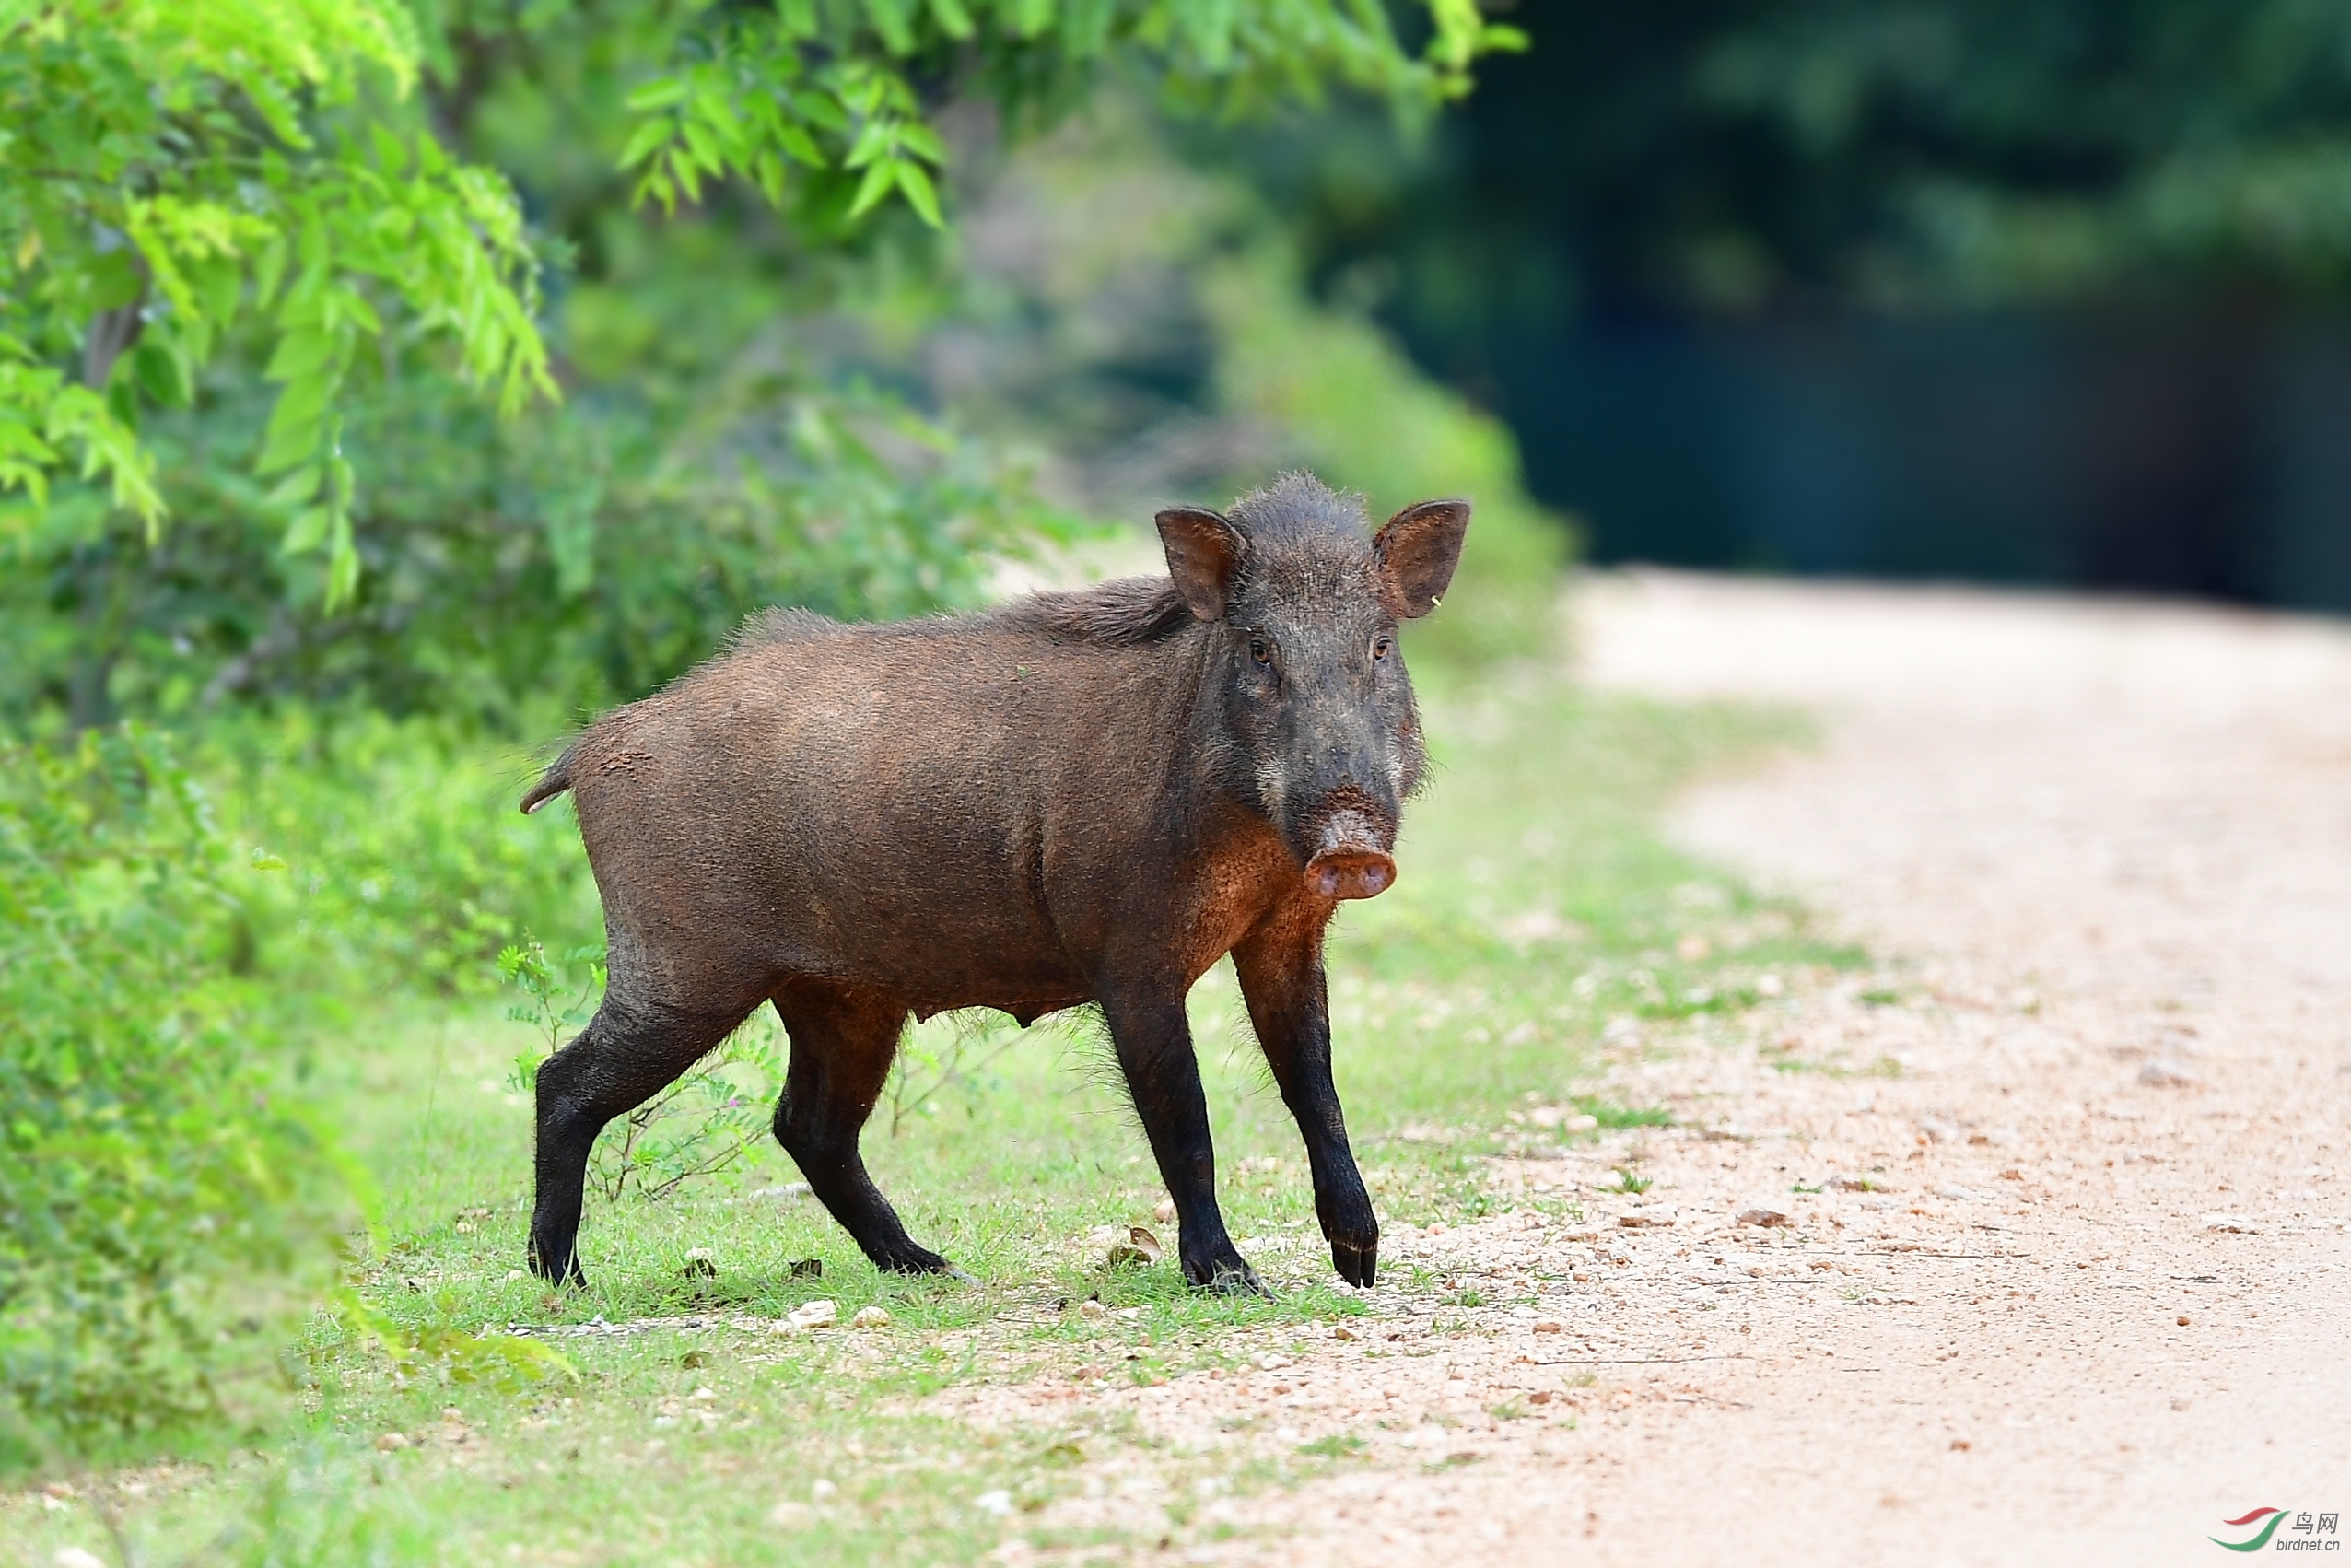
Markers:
{"x": 649, "y": 139}
{"x": 705, "y": 145}
{"x": 880, "y": 176}
{"x": 343, "y": 564}
{"x": 768, "y": 173}
{"x": 392, "y": 154}
{"x": 661, "y": 92}
{"x": 823, "y": 111}
{"x": 918, "y": 191}
{"x": 269, "y": 268}
{"x": 161, "y": 373}
{"x": 295, "y": 488}
{"x": 874, "y": 139}
{"x": 889, "y": 18}
{"x": 799, "y": 144}
{"x": 306, "y": 531}
{"x": 656, "y": 186}
{"x": 301, "y": 353}
{"x": 294, "y": 426}
{"x": 921, "y": 140}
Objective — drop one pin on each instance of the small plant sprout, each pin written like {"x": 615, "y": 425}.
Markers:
{"x": 700, "y": 1125}
{"x": 931, "y": 1061}
{"x": 525, "y": 964}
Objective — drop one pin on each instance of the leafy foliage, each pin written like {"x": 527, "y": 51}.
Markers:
{"x": 837, "y": 88}
{"x": 405, "y": 855}
{"x": 516, "y": 572}
{"x": 563, "y": 995}
{"x": 170, "y": 169}
{"x": 164, "y": 1204}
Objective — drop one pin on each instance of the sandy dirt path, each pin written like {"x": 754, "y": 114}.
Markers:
{"x": 2074, "y": 1285}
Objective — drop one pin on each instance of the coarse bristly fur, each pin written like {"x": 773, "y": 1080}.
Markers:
{"x": 1075, "y": 798}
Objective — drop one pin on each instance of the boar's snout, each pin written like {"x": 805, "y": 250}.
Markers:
{"x": 1351, "y": 858}
{"x": 1350, "y": 874}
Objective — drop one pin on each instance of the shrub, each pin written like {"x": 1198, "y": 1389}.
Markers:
{"x": 165, "y": 1207}
{"x": 408, "y": 865}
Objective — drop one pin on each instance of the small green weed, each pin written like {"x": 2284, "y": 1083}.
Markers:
{"x": 1614, "y": 1116}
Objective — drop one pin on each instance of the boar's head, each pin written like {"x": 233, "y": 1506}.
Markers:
{"x": 1305, "y": 686}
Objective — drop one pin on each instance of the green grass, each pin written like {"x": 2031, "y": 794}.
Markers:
{"x": 1537, "y": 914}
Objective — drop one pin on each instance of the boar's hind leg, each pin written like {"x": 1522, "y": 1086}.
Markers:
{"x": 1281, "y": 978}
{"x": 1155, "y": 1045}
{"x": 627, "y": 1054}
{"x": 843, "y": 1042}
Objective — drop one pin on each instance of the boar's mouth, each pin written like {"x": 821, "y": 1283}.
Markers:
{"x": 1351, "y": 857}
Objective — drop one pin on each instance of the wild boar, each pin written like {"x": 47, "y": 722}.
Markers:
{"x": 1075, "y": 798}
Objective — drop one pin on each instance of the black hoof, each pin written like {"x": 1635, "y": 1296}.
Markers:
{"x": 1230, "y": 1277}
{"x": 1359, "y": 1265}
{"x": 565, "y": 1276}
{"x": 918, "y": 1260}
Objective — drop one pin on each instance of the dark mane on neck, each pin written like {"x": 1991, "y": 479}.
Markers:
{"x": 1128, "y": 612}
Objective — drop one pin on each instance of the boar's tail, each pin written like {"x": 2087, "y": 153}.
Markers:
{"x": 553, "y": 782}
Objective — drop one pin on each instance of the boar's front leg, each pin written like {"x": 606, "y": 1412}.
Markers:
{"x": 1154, "y": 1044}
{"x": 1281, "y": 979}
{"x": 842, "y": 1044}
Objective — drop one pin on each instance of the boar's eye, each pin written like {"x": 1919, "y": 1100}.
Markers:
{"x": 1382, "y": 648}
{"x": 1261, "y": 650}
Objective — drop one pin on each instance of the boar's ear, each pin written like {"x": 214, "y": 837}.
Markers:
{"x": 1416, "y": 552}
{"x": 1204, "y": 555}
